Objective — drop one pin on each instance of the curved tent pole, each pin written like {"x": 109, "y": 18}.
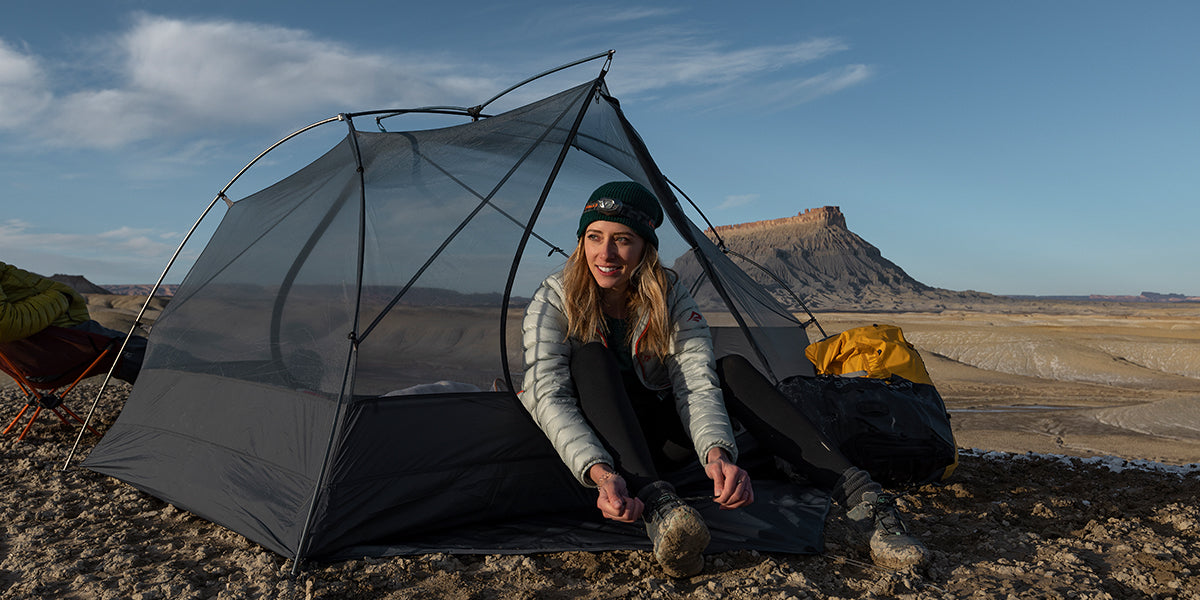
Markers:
{"x": 476, "y": 111}
{"x": 484, "y": 200}
{"x": 461, "y": 111}
{"x": 673, "y": 210}
{"x": 137, "y": 322}
{"x": 607, "y": 55}
{"x": 812, "y": 319}
{"x": 533, "y": 216}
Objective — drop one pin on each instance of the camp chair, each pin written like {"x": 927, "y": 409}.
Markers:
{"x": 51, "y": 360}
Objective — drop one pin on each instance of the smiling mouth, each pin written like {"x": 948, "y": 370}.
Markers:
{"x": 608, "y": 270}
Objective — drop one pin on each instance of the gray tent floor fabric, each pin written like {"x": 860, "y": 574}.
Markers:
{"x": 785, "y": 518}
{"x": 496, "y": 485}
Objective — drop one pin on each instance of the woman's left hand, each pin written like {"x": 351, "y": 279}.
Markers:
{"x": 731, "y": 483}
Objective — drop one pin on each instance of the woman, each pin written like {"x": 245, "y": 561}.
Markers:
{"x": 620, "y": 370}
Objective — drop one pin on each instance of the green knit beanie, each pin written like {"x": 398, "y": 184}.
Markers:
{"x": 627, "y": 203}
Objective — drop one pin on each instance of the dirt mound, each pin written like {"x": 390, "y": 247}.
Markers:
{"x": 118, "y": 312}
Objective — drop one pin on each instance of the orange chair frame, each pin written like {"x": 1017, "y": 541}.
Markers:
{"x": 52, "y": 394}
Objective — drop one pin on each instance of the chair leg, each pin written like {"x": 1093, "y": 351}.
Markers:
{"x": 14, "y": 421}
{"x": 36, "y": 411}
{"x": 60, "y": 416}
{"x": 74, "y": 416}
{"x": 54, "y": 402}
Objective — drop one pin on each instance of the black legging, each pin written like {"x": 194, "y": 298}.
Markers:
{"x": 777, "y": 424}
{"x": 635, "y": 424}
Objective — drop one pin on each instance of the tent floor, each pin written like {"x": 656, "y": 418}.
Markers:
{"x": 784, "y": 518}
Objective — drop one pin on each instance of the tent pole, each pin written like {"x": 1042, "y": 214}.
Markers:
{"x": 485, "y": 200}
{"x": 661, "y": 189}
{"x": 347, "y": 388}
{"x": 138, "y": 320}
{"x": 533, "y": 216}
{"x": 476, "y": 111}
{"x": 136, "y": 323}
{"x": 812, "y": 319}
{"x": 608, "y": 54}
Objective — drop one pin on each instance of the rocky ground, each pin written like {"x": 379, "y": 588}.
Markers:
{"x": 1070, "y": 520}
{"x": 1004, "y": 526}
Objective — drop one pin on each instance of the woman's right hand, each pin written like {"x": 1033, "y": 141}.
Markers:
{"x": 614, "y": 500}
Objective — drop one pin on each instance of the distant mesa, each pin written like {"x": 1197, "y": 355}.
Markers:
{"x": 828, "y": 266}
{"x": 826, "y": 215}
{"x": 80, "y": 284}
{"x": 832, "y": 269}
{"x": 166, "y": 289}
{"x": 1147, "y": 297}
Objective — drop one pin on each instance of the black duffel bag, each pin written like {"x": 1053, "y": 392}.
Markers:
{"x": 896, "y": 430}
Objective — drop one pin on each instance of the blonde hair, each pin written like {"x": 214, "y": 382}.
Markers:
{"x": 647, "y": 296}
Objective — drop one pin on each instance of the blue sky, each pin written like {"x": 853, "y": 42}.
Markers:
{"x": 1009, "y": 147}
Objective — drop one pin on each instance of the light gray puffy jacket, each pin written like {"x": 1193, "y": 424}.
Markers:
{"x": 688, "y": 371}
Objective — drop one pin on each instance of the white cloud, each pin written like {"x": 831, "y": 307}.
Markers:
{"x": 639, "y": 13}
{"x": 737, "y": 200}
{"x": 103, "y": 257}
{"x": 166, "y": 78}
{"x": 795, "y": 91}
{"x": 22, "y": 87}
{"x": 182, "y": 77}
{"x": 684, "y": 59}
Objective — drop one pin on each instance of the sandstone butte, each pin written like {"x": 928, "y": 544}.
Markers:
{"x": 825, "y": 215}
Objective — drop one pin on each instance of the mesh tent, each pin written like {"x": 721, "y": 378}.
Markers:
{"x": 334, "y": 375}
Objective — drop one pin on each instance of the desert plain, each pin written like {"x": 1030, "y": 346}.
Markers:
{"x": 1078, "y": 425}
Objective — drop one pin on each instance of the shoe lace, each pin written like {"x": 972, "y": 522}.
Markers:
{"x": 663, "y": 504}
{"x": 887, "y": 517}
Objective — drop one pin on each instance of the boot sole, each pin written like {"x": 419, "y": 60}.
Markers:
{"x": 681, "y": 542}
{"x": 897, "y": 552}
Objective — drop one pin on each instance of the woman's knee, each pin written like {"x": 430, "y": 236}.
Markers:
{"x": 734, "y": 365}
{"x": 737, "y": 374}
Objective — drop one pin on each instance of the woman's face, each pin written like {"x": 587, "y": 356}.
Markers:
{"x": 612, "y": 251}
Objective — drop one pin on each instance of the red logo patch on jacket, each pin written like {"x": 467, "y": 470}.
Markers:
{"x": 695, "y": 316}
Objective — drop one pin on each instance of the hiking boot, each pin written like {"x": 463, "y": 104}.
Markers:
{"x": 892, "y": 547}
{"x": 676, "y": 529}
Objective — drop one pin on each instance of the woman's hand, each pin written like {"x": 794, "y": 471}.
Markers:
{"x": 731, "y": 483}
{"x": 614, "y": 500}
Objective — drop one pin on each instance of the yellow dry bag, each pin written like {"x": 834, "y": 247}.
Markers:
{"x": 876, "y": 351}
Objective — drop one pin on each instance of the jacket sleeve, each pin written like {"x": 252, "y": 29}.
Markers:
{"x": 549, "y": 393}
{"x": 692, "y": 368}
